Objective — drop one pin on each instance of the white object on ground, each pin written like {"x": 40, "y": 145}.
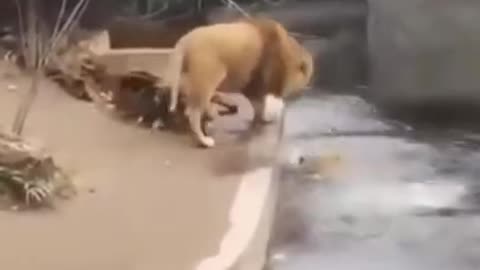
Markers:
{"x": 12, "y": 87}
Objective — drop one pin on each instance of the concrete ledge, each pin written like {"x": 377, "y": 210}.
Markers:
{"x": 244, "y": 245}
{"x": 136, "y": 198}
{"x": 239, "y": 248}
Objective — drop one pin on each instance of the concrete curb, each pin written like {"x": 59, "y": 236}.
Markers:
{"x": 244, "y": 245}
{"x": 254, "y": 257}
{"x": 249, "y": 213}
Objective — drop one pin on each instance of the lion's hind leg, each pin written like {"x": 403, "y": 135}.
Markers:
{"x": 195, "y": 117}
{"x": 199, "y": 101}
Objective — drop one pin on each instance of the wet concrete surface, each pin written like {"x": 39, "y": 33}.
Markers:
{"x": 396, "y": 197}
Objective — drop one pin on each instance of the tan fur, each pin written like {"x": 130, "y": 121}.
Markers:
{"x": 253, "y": 56}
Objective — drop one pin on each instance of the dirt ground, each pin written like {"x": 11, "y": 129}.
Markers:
{"x": 146, "y": 200}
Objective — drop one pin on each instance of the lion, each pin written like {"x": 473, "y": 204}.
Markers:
{"x": 254, "y": 56}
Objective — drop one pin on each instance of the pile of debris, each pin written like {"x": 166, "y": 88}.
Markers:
{"x": 133, "y": 95}
{"x": 136, "y": 95}
{"x": 28, "y": 176}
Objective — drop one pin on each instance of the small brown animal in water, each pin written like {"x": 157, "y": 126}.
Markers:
{"x": 255, "y": 56}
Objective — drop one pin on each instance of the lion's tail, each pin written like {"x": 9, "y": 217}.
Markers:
{"x": 175, "y": 70}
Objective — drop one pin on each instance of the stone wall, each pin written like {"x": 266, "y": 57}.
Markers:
{"x": 424, "y": 52}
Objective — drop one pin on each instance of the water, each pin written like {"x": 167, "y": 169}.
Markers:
{"x": 394, "y": 198}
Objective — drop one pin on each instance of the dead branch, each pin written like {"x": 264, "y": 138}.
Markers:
{"x": 39, "y": 45}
